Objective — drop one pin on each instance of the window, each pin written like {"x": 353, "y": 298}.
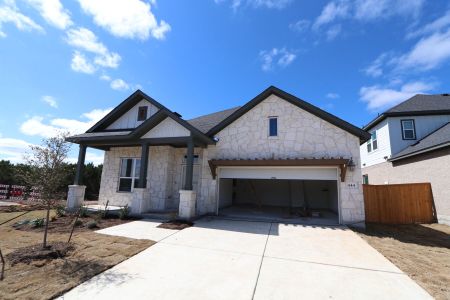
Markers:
{"x": 273, "y": 126}
{"x": 372, "y": 144}
{"x": 129, "y": 174}
{"x": 142, "y": 113}
{"x": 365, "y": 179}
{"x": 408, "y": 129}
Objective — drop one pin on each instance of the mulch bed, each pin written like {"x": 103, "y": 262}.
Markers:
{"x": 175, "y": 224}
{"x": 37, "y": 252}
{"x": 63, "y": 224}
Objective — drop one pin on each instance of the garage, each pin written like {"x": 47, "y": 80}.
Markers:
{"x": 283, "y": 190}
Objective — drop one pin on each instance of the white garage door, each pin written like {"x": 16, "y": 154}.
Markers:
{"x": 278, "y": 173}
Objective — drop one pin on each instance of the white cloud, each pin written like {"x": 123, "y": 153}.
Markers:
{"x": 437, "y": 25}
{"x": 375, "y": 69}
{"x": 332, "y": 95}
{"x": 81, "y": 64}
{"x": 12, "y": 15}
{"x": 280, "y": 57}
{"x": 119, "y": 85}
{"x": 333, "y": 32}
{"x": 276, "y": 4}
{"x": 126, "y": 18}
{"x": 369, "y": 10}
{"x": 13, "y": 149}
{"x": 332, "y": 11}
{"x": 300, "y": 26}
{"x": 105, "y": 77}
{"x": 377, "y": 97}
{"x": 38, "y": 126}
{"x": 50, "y": 101}
{"x": 53, "y": 12}
{"x": 429, "y": 53}
{"x": 83, "y": 38}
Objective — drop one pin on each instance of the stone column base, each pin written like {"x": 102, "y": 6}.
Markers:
{"x": 75, "y": 196}
{"x": 138, "y": 203}
{"x": 186, "y": 210}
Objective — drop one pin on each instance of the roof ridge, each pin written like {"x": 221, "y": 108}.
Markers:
{"x": 236, "y": 107}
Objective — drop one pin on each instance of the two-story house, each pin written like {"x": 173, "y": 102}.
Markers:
{"x": 411, "y": 143}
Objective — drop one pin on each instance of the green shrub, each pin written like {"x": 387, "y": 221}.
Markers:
{"x": 39, "y": 222}
{"x": 91, "y": 225}
{"x": 124, "y": 212}
{"x": 60, "y": 211}
{"x": 83, "y": 212}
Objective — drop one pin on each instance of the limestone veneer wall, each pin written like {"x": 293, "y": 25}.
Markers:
{"x": 300, "y": 134}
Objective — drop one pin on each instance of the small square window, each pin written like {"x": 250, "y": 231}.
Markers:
{"x": 142, "y": 113}
{"x": 408, "y": 129}
{"x": 273, "y": 126}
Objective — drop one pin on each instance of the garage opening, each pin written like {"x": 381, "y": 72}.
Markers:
{"x": 297, "y": 200}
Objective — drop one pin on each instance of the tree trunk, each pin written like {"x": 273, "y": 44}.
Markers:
{"x": 46, "y": 226}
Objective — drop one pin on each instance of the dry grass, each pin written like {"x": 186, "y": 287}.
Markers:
{"x": 421, "y": 251}
{"x": 46, "y": 279}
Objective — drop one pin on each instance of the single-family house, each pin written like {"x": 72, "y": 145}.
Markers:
{"x": 275, "y": 151}
{"x": 410, "y": 143}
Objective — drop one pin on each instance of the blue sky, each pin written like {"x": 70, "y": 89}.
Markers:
{"x": 63, "y": 65}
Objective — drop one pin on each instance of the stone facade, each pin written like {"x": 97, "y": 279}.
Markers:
{"x": 300, "y": 135}
{"x": 430, "y": 167}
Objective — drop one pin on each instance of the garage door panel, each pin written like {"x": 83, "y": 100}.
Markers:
{"x": 278, "y": 173}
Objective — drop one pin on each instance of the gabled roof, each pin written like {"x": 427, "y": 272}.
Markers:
{"x": 363, "y": 135}
{"x": 122, "y": 108}
{"x": 206, "y": 122}
{"x": 437, "y": 139}
{"x": 132, "y": 135}
{"x": 418, "y": 105}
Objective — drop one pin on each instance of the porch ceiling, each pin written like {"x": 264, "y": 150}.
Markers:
{"x": 342, "y": 163}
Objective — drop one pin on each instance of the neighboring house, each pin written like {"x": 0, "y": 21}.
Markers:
{"x": 275, "y": 151}
{"x": 411, "y": 143}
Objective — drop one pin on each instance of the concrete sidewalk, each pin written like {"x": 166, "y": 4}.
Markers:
{"x": 222, "y": 259}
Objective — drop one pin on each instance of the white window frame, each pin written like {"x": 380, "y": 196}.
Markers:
{"x": 133, "y": 173}
{"x": 370, "y": 142}
{"x": 413, "y": 129}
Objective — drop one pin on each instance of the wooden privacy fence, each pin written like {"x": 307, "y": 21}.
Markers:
{"x": 399, "y": 203}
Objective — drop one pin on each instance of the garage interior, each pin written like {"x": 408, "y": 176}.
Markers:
{"x": 302, "y": 201}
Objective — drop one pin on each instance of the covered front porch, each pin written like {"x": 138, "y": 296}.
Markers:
{"x": 149, "y": 175}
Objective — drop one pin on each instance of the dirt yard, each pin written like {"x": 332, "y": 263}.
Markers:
{"x": 421, "y": 251}
{"x": 46, "y": 279}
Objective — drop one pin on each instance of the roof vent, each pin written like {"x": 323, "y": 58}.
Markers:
{"x": 445, "y": 95}
{"x": 177, "y": 114}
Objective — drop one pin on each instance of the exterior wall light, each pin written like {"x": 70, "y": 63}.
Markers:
{"x": 351, "y": 164}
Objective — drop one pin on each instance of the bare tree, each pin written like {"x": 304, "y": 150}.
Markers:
{"x": 47, "y": 172}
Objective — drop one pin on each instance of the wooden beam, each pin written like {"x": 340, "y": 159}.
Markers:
{"x": 298, "y": 162}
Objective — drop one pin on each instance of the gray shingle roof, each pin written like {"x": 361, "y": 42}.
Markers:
{"x": 421, "y": 102}
{"x": 439, "y": 137}
{"x": 206, "y": 122}
{"x": 101, "y": 133}
{"x": 418, "y": 105}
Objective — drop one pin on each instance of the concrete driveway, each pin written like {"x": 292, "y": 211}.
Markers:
{"x": 222, "y": 259}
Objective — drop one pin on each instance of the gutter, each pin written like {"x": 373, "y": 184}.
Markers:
{"x": 443, "y": 145}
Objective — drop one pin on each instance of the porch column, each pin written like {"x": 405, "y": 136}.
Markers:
{"x": 75, "y": 195}
{"x": 188, "y": 197}
{"x": 80, "y": 165}
{"x": 189, "y": 165}
{"x": 144, "y": 164}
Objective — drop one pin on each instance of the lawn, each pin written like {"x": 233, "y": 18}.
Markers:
{"x": 46, "y": 279}
{"x": 421, "y": 251}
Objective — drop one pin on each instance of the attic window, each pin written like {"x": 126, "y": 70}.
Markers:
{"x": 142, "y": 113}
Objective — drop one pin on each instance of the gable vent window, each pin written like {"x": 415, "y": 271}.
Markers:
{"x": 408, "y": 130}
{"x": 372, "y": 144}
{"x": 142, "y": 113}
{"x": 273, "y": 126}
